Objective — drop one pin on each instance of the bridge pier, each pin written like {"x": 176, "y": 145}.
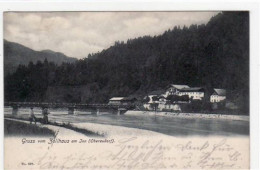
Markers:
{"x": 71, "y": 110}
{"x": 15, "y": 110}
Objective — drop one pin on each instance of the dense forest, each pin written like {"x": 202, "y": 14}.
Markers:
{"x": 212, "y": 55}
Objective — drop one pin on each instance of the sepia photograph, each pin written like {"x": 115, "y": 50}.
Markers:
{"x": 126, "y": 90}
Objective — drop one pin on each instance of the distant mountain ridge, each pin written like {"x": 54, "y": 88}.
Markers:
{"x": 16, "y": 54}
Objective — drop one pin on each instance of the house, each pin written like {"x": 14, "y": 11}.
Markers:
{"x": 154, "y": 95}
{"x": 115, "y": 101}
{"x": 174, "y": 95}
{"x": 194, "y": 93}
{"x": 171, "y": 107}
{"x": 218, "y": 96}
{"x": 173, "y": 89}
{"x": 154, "y": 98}
{"x": 162, "y": 99}
{"x": 121, "y": 100}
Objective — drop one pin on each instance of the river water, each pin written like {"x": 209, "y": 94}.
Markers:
{"x": 173, "y": 126}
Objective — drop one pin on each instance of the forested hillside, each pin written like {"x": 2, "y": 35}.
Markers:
{"x": 211, "y": 55}
{"x": 16, "y": 54}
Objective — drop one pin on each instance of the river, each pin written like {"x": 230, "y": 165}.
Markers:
{"x": 173, "y": 126}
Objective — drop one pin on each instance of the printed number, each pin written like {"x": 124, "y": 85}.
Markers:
{"x": 29, "y": 163}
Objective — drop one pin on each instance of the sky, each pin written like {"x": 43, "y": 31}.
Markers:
{"x": 77, "y": 34}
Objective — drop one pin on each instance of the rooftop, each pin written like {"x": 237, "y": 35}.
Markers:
{"x": 122, "y": 98}
{"x": 220, "y": 92}
{"x": 117, "y": 98}
{"x": 179, "y": 86}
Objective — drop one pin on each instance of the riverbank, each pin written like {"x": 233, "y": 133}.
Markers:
{"x": 55, "y": 130}
{"x": 188, "y": 115}
{"x": 80, "y": 129}
{"x": 19, "y": 128}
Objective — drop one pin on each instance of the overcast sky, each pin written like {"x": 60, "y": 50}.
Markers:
{"x": 76, "y": 34}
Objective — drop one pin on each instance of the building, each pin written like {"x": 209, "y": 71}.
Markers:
{"x": 155, "y": 95}
{"x": 173, "y": 89}
{"x": 162, "y": 99}
{"x": 153, "y": 99}
{"x": 115, "y": 100}
{"x": 171, "y": 107}
{"x": 194, "y": 93}
{"x": 173, "y": 96}
{"x": 121, "y": 100}
{"x": 218, "y": 96}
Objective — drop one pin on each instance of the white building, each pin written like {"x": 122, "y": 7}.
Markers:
{"x": 173, "y": 89}
{"x": 121, "y": 100}
{"x": 115, "y": 100}
{"x": 169, "y": 107}
{"x": 218, "y": 95}
{"x": 194, "y": 93}
{"x": 155, "y": 98}
{"x": 162, "y": 100}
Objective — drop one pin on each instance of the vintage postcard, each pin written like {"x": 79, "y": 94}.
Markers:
{"x": 126, "y": 89}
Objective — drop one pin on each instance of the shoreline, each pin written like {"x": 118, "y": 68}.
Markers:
{"x": 188, "y": 115}
{"x": 103, "y": 130}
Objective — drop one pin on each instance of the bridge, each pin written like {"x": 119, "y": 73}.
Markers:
{"x": 95, "y": 108}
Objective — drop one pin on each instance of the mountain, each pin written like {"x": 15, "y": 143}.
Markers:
{"x": 15, "y": 54}
{"x": 212, "y": 55}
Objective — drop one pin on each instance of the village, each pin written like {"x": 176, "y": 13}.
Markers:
{"x": 173, "y": 98}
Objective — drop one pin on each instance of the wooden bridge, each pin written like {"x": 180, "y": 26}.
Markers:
{"x": 119, "y": 109}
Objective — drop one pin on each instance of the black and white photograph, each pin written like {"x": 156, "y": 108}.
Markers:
{"x": 126, "y": 89}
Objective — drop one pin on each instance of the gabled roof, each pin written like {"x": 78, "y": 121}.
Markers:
{"x": 220, "y": 92}
{"x": 116, "y": 98}
{"x": 179, "y": 86}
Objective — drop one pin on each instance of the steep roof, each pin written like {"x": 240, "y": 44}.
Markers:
{"x": 220, "y": 92}
{"x": 179, "y": 86}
